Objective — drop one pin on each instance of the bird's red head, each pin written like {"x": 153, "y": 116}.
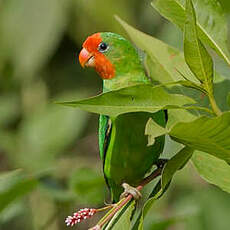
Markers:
{"x": 92, "y": 55}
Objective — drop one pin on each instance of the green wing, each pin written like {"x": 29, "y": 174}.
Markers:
{"x": 127, "y": 157}
{"x": 104, "y": 135}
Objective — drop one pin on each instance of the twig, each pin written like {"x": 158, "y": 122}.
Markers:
{"x": 125, "y": 201}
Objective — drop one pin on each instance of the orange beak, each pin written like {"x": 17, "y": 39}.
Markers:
{"x": 86, "y": 58}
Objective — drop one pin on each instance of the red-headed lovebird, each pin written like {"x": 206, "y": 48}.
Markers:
{"x": 122, "y": 141}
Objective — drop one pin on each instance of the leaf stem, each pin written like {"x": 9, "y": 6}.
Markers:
{"x": 214, "y": 105}
{"x": 105, "y": 208}
{"x": 199, "y": 108}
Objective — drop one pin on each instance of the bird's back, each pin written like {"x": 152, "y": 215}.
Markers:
{"x": 126, "y": 156}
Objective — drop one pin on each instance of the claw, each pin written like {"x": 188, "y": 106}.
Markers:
{"x": 161, "y": 162}
{"x": 130, "y": 190}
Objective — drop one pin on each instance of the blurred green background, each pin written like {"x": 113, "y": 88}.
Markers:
{"x": 53, "y": 150}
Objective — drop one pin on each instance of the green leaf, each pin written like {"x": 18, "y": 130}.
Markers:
{"x": 122, "y": 219}
{"x": 174, "y": 164}
{"x": 12, "y": 211}
{"x": 212, "y": 169}
{"x": 178, "y": 115}
{"x": 225, "y": 4}
{"x": 14, "y": 185}
{"x": 222, "y": 94}
{"x": 146, "y": 192}
{"x": 192, "y": 85}
{"x": 206, "y": 134}
{"x": 228, "y": 99}
{"x": 153, "y": 130}
{"x": 164, "y": 63}
{"x": 156, "y": 192}
{"x": 196, "y": 55}
{"x": 146, "y": 98}
{"x": 211, "y": 21}
{"x": 146, "y": 208}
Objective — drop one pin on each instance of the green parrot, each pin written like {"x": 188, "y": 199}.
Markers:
{"x": 123, "y": 145}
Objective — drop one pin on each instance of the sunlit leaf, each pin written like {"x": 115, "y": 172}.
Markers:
{"x": 154, "y": 130}
{"x": 176, "y": 115}
{"x": 211, "y": 21}
{"x": 145, "y": 98}
{"x": 165, "y": 63}
{"x": 196, "y": 55}
{"x": 192, "y": 85}
{"x": 206, "y": 134}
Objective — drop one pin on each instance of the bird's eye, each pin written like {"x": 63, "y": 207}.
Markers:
{"x": 103, "y": 47}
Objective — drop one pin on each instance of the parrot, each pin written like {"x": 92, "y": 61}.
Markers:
{"x": 123, "y": 145}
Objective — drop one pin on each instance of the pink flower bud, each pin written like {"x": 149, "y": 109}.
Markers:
{"x": 79, "y": 216}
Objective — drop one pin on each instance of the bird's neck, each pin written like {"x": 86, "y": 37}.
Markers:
{"x": 125, "y": 80}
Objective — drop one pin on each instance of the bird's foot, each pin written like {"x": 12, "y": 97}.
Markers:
{"x": 161, "y": 162}
{"x": 129, "y": 190}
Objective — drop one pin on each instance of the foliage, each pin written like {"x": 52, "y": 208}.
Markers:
{"x": 54, "y": 148}
{"x": 132, "y": 99}
{"x": 204, "y": 133}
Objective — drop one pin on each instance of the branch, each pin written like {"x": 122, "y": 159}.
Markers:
{"x": 126, "y": 200}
